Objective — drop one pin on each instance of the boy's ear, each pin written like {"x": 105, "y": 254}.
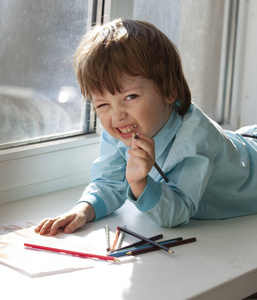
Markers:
{"x": 171, "y": 99}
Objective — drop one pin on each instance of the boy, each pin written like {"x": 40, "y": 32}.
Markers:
{"x": 132, "y": 73}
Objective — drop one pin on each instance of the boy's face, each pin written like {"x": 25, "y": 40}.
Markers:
{"x": 138, "y": 107}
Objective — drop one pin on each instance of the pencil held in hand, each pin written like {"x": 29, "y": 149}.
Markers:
{"x": 155, "y": 164}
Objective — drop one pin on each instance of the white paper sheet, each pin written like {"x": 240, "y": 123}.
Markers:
{"x": 39, "y": 262}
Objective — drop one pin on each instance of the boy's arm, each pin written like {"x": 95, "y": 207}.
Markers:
{"x": 174, "y": 203}
{"x": 107, "y": 190}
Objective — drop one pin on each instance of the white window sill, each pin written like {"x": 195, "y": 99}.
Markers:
{"x": 28, "y": 171}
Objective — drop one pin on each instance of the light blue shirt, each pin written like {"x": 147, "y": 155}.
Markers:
{"x": 212, "y": 173}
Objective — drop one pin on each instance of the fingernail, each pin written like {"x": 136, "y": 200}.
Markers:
{"x": 67, "y": 230}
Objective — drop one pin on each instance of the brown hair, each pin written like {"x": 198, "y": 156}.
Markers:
{"x": 135, "y": 48}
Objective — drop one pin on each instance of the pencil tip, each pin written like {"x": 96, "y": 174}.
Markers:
{"x": 134, "y": 135}
{"x": 129, "y": 253}
{"x": 116, "y": 259}
{"x": 170, "y": 251}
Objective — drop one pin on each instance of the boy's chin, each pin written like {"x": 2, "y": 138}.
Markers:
{"x": 127, "y": 143}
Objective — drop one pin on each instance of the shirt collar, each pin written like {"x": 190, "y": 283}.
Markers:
{"x": 167, "y": 133}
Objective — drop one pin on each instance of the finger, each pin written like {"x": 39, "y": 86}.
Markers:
{"x": 75, "y": 224}
{"x": 40, "y": 225}
{"x": 143, "y": 137}
{"x": 60, "y": 223}
{"x": 146, "y": 144}
{"x": 141, "y": 154}
{"x": 134, "y": 143}
{"x": 47, "y": 226}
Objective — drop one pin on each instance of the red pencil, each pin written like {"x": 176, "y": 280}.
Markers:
{"x": 74, "y": 253}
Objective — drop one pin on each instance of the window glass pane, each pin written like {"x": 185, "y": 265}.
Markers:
{"x": 196, "y": 29}
{"x": 39, "y": 94}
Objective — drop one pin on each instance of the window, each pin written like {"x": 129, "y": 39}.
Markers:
{"x": 39, "y": 96}
{"x": 42, "y": 113}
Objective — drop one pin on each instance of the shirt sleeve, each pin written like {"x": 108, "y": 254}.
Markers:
{"x": 107, "y": 190}
{"x": 174, "y": 203}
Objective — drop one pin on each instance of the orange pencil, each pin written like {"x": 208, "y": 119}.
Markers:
{"x": 117, "y": 233}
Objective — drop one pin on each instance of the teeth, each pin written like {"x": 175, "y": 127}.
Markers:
{"x": 128, "y": 129}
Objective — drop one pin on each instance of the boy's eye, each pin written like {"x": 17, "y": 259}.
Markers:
{"x": 101, "y": 105}
{"x": 131, "y": 97}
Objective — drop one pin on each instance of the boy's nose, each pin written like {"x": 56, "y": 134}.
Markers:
{"x": 118, "y": 114}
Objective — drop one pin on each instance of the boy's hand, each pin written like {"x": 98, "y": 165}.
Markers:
{"x": 140, "y": 163}
{"x": 70, "y": 221}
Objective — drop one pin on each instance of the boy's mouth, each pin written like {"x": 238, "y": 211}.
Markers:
{"x": 127, "y": 129}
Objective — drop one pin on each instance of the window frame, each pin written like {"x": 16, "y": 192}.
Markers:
{"x": 32, "y": 170}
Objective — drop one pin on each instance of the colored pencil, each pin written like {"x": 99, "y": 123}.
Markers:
{"x": 117, "y": 233}
{"x": 146, "y": 246}
{"x": 155, "y": 164}
{"x": 151, "y": 248}
{"x": 145, "y": 239}
{"x": 120, "y": 239}
{"x": 74, "y": 253}
{"x": 107, "y": 236}
{"x": 153, "y": 238}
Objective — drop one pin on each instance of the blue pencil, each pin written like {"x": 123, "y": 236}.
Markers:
{"x": 141, "y": 243}
{"x": 171, "y": 244}
{"x": 143, "y": 247}
{"x": 126, "y": 230}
